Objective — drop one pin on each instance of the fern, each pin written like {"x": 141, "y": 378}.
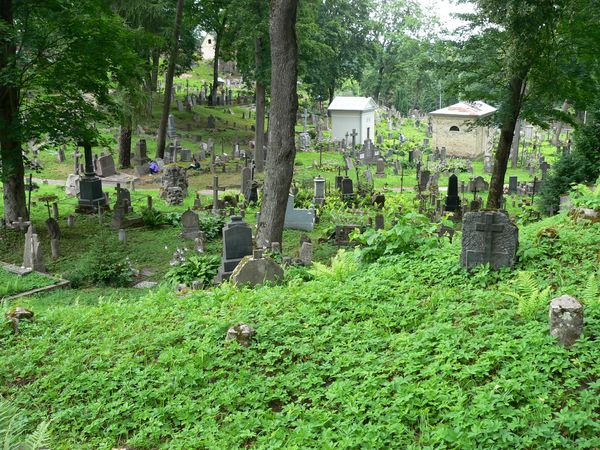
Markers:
{"x": 591, "y": 293}
{"x": 530, "y": 299}
{"x": 343, "y": 264}
{"x": 12, "y": 430}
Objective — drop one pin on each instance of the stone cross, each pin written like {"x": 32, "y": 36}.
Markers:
{"x": 489, "y": 229}
{"x": 21, "y": 225}
{"x": 354, "y": 134}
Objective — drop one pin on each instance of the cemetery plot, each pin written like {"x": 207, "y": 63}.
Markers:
{"x": 14, "y": 285}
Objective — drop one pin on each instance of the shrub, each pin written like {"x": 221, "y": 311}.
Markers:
{"x": 211, "y": 225}
{"x": 153, "y": 218}
{"x": 102, "y": 265}
{"x": 196, "y": 267}
{"x": 581, "y": 166}
{"x": 412, "y": 231}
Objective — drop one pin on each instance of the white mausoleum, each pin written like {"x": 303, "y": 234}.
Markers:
{"x": 352, "y": 113}
{"x": 207, "y": 49}
{"x": 452, "y": 127}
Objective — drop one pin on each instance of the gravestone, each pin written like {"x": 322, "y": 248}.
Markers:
{"x": 256, "y": 270}
{"x": 512, "y": 185}
{"x": 210, "y": 122}
{"x": 368, "y": 176}
{"x": 141, "y": 160}
{"x": 237, "y": 243}
{"x": 424, "y": 179}
{"x": 185, "y": 155}
{"x": 105, "y": 166}
{"x": 191, "y": 225}
{"x": 478, "y": 184}
{"x": 306, "y": 252}
{"x": 347, "y": 187}
{"x": 380, "y": 168}
{"x": 61, "y": 155}
{"x": 379, "y": 222}
{"x": 299, "y": 219}
{"x": 171, "y": 130}
{"x": 566, "y": 320}
{"x": 174, "y": 177}
{"x": 319, "y": 190}
{"x": 489, "y": 237}
{"x": 72, "y": 185}
{"x": 33, "y": 258}
{"x": 452, "y": 198}
{"x": 54, "y": 233}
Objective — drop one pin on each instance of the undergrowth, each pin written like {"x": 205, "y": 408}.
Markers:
{"x": 408, "y": 352}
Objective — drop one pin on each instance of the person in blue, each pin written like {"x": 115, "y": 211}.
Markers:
{"x": 153, "y": 167}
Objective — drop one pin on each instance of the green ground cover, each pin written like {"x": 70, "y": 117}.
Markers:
{"x": 407, "y": 352}
{"x": 12, "y": 284}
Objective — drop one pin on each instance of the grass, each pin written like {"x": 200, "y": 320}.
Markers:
{"x": 12, "y": 284}
{"x": 409, "y": 352}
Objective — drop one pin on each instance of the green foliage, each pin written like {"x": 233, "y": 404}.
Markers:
{"x": 585, "y": 197}
{"x": 211, "y": 225}
{"x": 103, "y": 265}
{"x": 153, "y": 218}
{"x": 343, "y": 265}
{"x": 13, "y": 430}
{"x": 11, "y": 284}
{"x": 412, "y": 231}
{"x": 531, "y": 300}
{"x": 580, "y": 166}
{"x": 195, "y": 267}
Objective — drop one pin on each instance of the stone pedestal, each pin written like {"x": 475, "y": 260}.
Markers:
{"x": 566, "y": 320}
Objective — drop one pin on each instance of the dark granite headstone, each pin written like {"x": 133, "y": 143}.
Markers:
{"x": 452, "y": 199}
{"x": 512, "y": 185}
{"x": 237, "y": 243}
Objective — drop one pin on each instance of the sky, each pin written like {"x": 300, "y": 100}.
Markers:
{"x": 444, "y": 10}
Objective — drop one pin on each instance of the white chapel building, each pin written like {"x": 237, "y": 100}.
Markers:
{"x": 453, "y": 128}
{"x": 352, "y": 113}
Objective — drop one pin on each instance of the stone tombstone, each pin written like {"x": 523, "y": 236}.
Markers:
{"x": 256, "y": 270}
{"x": 185, "y": 155}
{"x": 246, "y": 175}
{"x": 171, "y": 130}
{"x": 566, "y": 320}
{"x": 379, "y": 221}
{"x": 141, "y": 153}
{"x": 478, "y": 184}
{"x": 487, "y": 164}
{"x": 105, "y": 166}
{"x": 380, "y": 168}
{"x": 299, "y": 219}
{"x": 452, "y": 198}
{"x": 174, "y": 177}
{"x": 306, "y": 253}
{"x": 33, "y": 258}
{"x": 53, "y": 228}
{"x": 72, "y": 185}
{"x": 424, "y": 179}
{"x": 124, "y": 196}
{"x": 237, "y": 243}
{"x": 443, "y": 154}
{"x": 179, "y": 105}
{"x": 319, "y": 190}
{"x": 489, "y": 237}
{"x": 368, "y": 176}
{"x": 347, "y": 187}
{"x": 71, "y": 220}
{"x": 411, "y": 156}
{"x": 512, "y": 185}
{"x": 61, "y": 155}
{"x": 190, "y": 224}
{"x": 211, "y": 122}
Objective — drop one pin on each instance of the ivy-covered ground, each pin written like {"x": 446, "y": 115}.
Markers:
{"x": 407, "y": 352}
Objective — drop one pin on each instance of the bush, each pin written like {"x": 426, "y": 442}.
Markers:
{"x": 102, "y": 265}
{"x": 196, "y": 267}
{"x": 211, "y": 225}
{"x": 153, "y": 218}
{"x": 412, "y": 231}
{"x": 581, "y": 166}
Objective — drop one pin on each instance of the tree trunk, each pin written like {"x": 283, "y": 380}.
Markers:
{"x": 514, "y": 150}
{"x": 559, "y": 125}
{"x": 10, "y": 141}
{"x": 125, "y": 143}
{"x": 162, "y": 131}
{"x": 379, "y": 82}
{"x": 331, "y": 92}
{"x": 284, "y": 107}
{"x": 152, "y": 86}
{"x": 215, "y": 85}
{"x": 259, "y": 134}
{"x": 507, "y": 131}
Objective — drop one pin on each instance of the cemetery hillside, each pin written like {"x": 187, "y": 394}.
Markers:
{"x": 316, "y": 224}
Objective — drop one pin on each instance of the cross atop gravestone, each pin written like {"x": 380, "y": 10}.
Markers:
{"x": 353, "y": 134}
{"x": 488, "y": 238}
{"x": 20, "y": 225}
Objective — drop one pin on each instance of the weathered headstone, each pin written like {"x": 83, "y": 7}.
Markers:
{"x": 306, "y": 253}
{"x": 319, "y": 190}
{"x": 105, "y": 166}
{"x": 174, "y": 177}
{"x": 191, "y": 225}
{"x": 255, "y": 270}
{"x": 566, "y": 320}
{"x": 380, "y": 168}
{"x": 33, "y": 258}
{"x": 512, "y": 185}
{"x": 489, "y": 237}
{"x": 299, "y": 219}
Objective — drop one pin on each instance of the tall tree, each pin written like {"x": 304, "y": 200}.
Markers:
{"x": 162, "y": 130}
{"x": 58, "y": 61}
{"x": 284, "y": 107}
{"x": 526, "y": 59}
